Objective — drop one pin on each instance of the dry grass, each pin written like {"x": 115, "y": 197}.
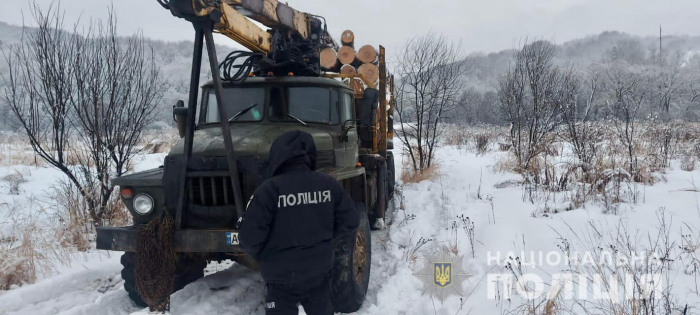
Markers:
{"x": 32, "y": 249}
{"x": 410, "y": 176}
{"x": 557, "y": 168}
{"x": 18, "y": 263}
{"x": 475, "y": 138}
{"x": 505, "y": 164}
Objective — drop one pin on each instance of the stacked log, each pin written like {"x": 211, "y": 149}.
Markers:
{"x": 368, "y": 54}
{"x": 347, "y": 55}
{"x": 369, "y": 71}
{"x": 348, "y": 38}
{"x": 329, "y": 59}
{"x": 347, "y": 60}
{"x": 348, "y": 69}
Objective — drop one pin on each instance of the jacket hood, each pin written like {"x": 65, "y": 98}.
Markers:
{"x": 292, "y": 147}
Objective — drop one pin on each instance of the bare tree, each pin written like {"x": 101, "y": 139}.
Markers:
{"x": 39, "y": 85}
{"x": 429, "y": 71}
{"x": 532, "y": 95}
{"x": 85, "y": 95}
{"x": 628, "y": 89}
{"x": 581, "y": 130}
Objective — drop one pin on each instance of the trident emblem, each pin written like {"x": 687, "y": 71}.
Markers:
{"x": 443, "y": 274}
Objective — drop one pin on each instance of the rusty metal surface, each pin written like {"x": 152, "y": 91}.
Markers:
{"x": 390, "y": 111}
{"x": 382, "y": 112}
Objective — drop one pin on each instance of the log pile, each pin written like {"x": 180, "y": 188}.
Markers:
{"x": 347, "y": 60}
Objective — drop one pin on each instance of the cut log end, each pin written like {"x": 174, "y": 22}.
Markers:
{"x": 370, "y": 72}
{"x": 348, "y": 69}
{"x": 368, "y": 54}
{"x": 329, "y": 59}
{"x": 348, "y": 38}
{"x": 347, "y": 55}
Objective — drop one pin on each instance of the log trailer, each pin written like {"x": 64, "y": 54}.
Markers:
{"x": 295, "y": 76}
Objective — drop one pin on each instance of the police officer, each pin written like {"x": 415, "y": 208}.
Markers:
{"x": 290, "y": 224}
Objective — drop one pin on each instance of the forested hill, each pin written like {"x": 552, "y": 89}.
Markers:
{"x": 174, "y": 59}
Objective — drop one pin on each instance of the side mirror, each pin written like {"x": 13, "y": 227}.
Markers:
{"x": 346, "y": 129}
{"x": 180, "y": 117}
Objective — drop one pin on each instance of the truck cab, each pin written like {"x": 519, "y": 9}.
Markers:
{"x": 260, "y": 110}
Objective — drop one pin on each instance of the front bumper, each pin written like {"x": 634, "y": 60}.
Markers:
{"x": 186, "y": 241}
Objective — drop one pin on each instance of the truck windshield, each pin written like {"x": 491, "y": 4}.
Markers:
{"x": 237, "y": 100}
{"x": 308, "y": 104}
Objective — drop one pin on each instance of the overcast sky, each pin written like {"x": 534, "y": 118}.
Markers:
{"x": 481, "y": 25}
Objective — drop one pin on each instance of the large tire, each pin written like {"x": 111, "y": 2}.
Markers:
{"x": 188, "y": 270}
{"x": 391, "y": 173}
{"x": 353, "y": 259}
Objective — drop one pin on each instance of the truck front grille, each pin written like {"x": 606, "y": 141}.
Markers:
{"x": 210, "y": 191}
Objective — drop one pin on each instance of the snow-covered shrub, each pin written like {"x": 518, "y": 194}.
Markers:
{"x": 414, "y": 251}
{"x": 18, "y": 261}
{"x": 31, "y": 248}
{"x": 625, "y": 263}
{"x": 13, "y": 182}
{"x": 482, "y": 143}
{"x": 73, "y": 215}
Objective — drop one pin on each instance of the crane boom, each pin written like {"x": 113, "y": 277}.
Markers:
{"x": 272, "y": 13}
{"x": 234, "y": 19}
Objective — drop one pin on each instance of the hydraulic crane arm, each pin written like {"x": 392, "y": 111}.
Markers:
{"x": 273, "y": 14}
{"x": 233, "y": 19}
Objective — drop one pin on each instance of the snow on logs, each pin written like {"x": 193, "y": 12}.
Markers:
{"x": 348, "y": 38}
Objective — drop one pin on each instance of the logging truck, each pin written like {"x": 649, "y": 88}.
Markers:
{"x": 294, "y": 76}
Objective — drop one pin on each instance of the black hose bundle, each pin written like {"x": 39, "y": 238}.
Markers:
{"x": 235, "y": 72}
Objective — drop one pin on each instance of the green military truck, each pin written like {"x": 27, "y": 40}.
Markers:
{"x": 218, "y": 163}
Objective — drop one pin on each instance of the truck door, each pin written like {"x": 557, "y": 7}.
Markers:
{"x": 348, "y": 113}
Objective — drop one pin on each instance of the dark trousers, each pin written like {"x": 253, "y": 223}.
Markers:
{"x": 314, "y": 295}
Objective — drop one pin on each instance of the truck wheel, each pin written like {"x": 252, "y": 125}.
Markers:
{"x": 391, "y": 173}
{"x": 188, "y": 270}
{"x": 350, "y": 275}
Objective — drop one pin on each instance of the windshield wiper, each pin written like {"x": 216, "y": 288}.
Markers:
{"x": 239, "y": 114}
{"x": 297, "y": 119}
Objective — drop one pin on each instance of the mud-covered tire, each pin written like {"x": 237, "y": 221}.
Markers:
{"x": 391, "y": 174}
{"x": 350, "y": 280}
{"x": 188, "y": 270}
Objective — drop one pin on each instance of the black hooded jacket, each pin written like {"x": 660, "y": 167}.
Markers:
{"x": 293, "y": 217}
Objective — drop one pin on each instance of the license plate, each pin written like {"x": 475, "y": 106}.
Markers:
{"x": 231, "y": 238}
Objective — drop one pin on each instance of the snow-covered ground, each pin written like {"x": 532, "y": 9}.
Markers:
{"x": 443, "y": 210}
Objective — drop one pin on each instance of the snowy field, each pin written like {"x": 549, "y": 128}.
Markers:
{"x": 512, "y": 249}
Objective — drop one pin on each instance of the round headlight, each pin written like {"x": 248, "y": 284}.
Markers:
{"x": 143, "y": 204}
